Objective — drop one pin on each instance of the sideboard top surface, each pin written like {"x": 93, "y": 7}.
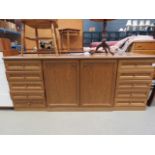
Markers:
{"x": 81, "y": 56}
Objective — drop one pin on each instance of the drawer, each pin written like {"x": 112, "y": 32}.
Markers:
{"x": 122, "y": 103}
{"x": 36, "y": 96}
{"x": 123, "y": 99}
{"x": 135, "y": 70}
{"x": 136, "y": 66}
{"x": 135, "y": 76}
{"x": 24, "y": 76}
{"x": 139, "y": 95}
{"x": 28, "y": 95}
{"x": 37, "y": 104}
{"x": 133, "y": 89}
{"x": 123, "y": 86}
{"x": 132, "y": 92}
{"x": 138, "y": 103}
{"x": 21, "y": 104}
{"x": 132, "y": 104}
{"x": 128, "y": 102}
{"x": 134, "y": 82}
{"x": 143, "y": 63}
{"x": 17, "y": 97}
{"x": 19, "y": 65}
{"x": 15, "y": 86}
{"x": 30, "y": 104}
{"x": 130, "y": 66}
{"x": 142, "y": 91}
{"x": 144, "y": 46}
{"x": 123, "y": 95}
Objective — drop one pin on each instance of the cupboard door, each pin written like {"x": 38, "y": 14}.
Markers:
{"x": 61, "y": 82}
{"x": 97, "y": 82}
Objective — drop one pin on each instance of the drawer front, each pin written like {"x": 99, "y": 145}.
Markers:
{"x": 23, "y": 65}
{"x": 30, "y": 95}
{"x": 21, "y": 104}
{"x": 37, "y": 104}
{"x": 126, "y": 86}
{"x": 144, "y": 46}
{"x": 135, "y": 64}
{"x": 19, "y": 96}
{"x": 28, "y": 86}
{"x": 127, "y": 101}
{"x": 29, "y": 104}
{"x": 24, "y": 76}
{"x": 136, "y": 76}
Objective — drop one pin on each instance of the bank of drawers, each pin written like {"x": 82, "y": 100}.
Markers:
{"x": 134, "y": 79}
{"x": 26, "y": 83}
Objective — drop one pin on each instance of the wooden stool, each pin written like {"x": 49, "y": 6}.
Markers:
{"x": 68, "y": 32}
{"x": 41, "y": 24}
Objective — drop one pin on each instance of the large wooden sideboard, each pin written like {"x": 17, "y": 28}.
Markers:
{"x": 98, "y": 82}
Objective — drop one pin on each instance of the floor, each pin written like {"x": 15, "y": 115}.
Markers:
{"x": 118, "y": 122}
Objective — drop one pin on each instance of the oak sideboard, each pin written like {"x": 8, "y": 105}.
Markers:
{"x": 79, "y": 82}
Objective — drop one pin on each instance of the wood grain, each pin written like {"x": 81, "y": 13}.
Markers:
{"x": 61, "y": 82}
{"x": 97, "y": 82}
{"x": 134, "y": 79}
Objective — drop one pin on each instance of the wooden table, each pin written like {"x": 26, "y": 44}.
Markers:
{"x": 68, "y": 32}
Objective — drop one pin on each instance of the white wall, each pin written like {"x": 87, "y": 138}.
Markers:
{"x": 5, "y": 99}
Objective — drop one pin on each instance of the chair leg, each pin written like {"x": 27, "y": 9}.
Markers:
{"x": 54, "y": 39}
{"x": 149, "y": 101}
{"x": 37, "y": 41}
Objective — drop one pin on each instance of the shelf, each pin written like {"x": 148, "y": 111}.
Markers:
{"x": 7, "y": 31}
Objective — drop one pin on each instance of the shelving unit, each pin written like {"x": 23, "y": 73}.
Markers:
{"x": 8, "y": 32}
{"x": 89, "y": 37}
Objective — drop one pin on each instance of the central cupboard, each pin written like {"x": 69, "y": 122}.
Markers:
{"x": 79, "y": 83}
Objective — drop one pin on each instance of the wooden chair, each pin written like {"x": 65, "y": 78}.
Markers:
{"x": 40, "y": 24}
{"x": 68, "y": 33}
{"x": 5, "y": 46}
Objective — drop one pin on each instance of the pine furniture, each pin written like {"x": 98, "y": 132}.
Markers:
{"x": 65, "y": 82}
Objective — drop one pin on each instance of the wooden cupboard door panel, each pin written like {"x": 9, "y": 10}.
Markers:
{"x": 97, "y": 82}
{"x": 61, "y": 82}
